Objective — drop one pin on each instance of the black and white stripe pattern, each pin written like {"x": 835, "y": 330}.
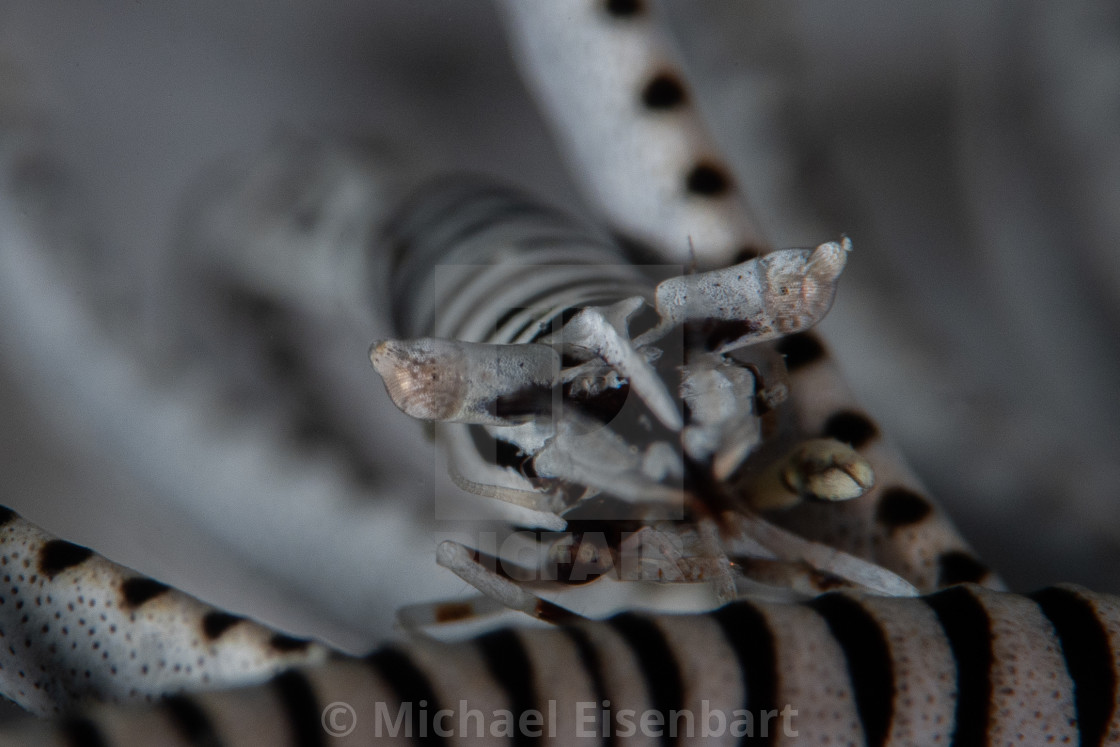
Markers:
{"x": 965, "y": 666}
{"x": 477, "y": 261}
{"x": 896, "y": 524}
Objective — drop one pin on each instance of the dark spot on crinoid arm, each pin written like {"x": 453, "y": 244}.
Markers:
{"x": 287, "y": 643}
{"x": 214, "y": 624}
{"x": 624, "y": 8}
{"x": 746, "y": 254}
{"x": 664, "y": 91}
{"x": 901, "y": 507}
{"x": 137, "y": 591}
{"x": 800, "y": 350}
{"x": 708, "y": 179}
{"x": 957, "y": 567}
{"x": 58, "y": 555}
{"x": 852, "y": 428}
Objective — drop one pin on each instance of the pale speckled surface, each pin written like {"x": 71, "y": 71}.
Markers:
{"x": 77, "y": 626}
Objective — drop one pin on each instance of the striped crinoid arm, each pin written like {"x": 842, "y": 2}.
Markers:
{"x": 76, "y": 627}
{"x": 955, "y": 667}
{"x": 620, "y": 106}
{"x": 896, "y": 523}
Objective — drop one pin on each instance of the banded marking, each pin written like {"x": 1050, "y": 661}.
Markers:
{"x": 191, "y": 721}
{"x": 140, "y": 590}
{"x": 746, "y": 254}
{"x": 82, "y": 732}
{"x": 287, "y": 644}
{"x": 216, "y": 623}
{"x": 624, "y": 8}
{"x": 1088, "y": 657}
{"x": 868, "y": 657}
{"x": 851, "y": 427}
{"x": 658, "y": 662}
{"x": 508, "y": 663}
{"x": 664, "y": 91}
{"x": 969, "y": 632}
{"x": 801, "y": 349}
{"x": 295, "y": 692}
{"x": 958, "y": 567}
{"x": 745, "y": 628}
{"x": 463, "y": 213}
{"x": 57, "y": 555}
{"x": 901, "y": 507}
{"x": 410, "y": 685}
{"x": 444, "y": 214}
{"x": 708, "y": 179}
{"x": 592, "y": 664}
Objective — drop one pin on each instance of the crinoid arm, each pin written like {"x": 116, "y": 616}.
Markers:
{"x": 83, "y": 628}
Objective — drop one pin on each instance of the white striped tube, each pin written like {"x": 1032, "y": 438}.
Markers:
{"x": 481, "y": 262}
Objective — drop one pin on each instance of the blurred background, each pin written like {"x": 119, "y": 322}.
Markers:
{"x": 970, "y": 150}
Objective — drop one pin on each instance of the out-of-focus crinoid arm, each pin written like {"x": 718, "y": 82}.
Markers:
{"x": 78, "y": 627}
{"x": 606, "y": 76}
{"x": 623, "y": 112}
